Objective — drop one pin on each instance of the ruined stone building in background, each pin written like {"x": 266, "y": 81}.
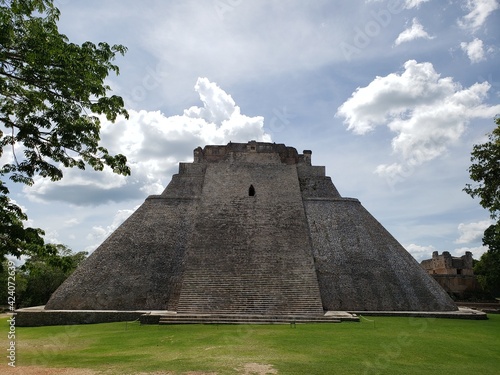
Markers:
{"x": 454, "y": 274}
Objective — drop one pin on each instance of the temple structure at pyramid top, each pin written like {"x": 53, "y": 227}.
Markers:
{"x": 251, "y": 228}
{"x": 253, "y": 151}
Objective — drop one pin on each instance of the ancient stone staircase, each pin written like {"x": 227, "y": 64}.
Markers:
{"x": 250, "y": 254}
{"x": 265, "y": 294}
{"x": 244, "y": 319}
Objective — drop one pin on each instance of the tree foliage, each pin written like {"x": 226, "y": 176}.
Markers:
{"x": 52, "y": 92}
{"x": 488, "y": 272}
{"x": 485, "y": 171}
{"x": 15, "y": 239}
{"x": 41, "y": 275}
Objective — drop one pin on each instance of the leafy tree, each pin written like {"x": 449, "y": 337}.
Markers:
{"x": 485, "y": 170}
{"x": 52, "y": 92}
{"x": 487, "y": 270}
{"x": 14, "y": 237}
{"x": 492, "y": 237}
{"x": 41, "y": 275}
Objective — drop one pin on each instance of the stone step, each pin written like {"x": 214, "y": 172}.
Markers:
{"x": 234, "y": 318}
{"x": 258, "y": 262}
{"x": 243, "y": 319}
{"x": 256, "y": 306}
{"x": 208, "y": 309}
{"x": 250, "y": 295}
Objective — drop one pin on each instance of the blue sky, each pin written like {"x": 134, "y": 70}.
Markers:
{"x": 389, "y": 95}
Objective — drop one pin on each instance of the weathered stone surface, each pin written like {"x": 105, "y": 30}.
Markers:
{"x": 360, "y": 266}
{"x": 454, "y": 274}
{"x": 250, "y": 253}
{"x": 140, "y": 264}
{"x": 446, "y": 264}
{"x": 251, "y": 228}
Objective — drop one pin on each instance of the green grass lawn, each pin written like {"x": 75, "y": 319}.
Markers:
{"x": 379, "y": 346}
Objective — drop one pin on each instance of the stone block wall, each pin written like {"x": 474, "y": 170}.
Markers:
{"x": 250, "y": 253}
{"x": 459, "y": 286}
{"x": 251, "y": 229}
{"x": 446, "y": 264}
{"x": 27, "y": 318}
{"x": 138, "y": 267}
{"x": 361, "y": 266}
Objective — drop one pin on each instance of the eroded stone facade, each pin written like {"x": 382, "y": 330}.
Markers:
{"x": 251, "y": 228}
{"x": 454, "y": 274}
{"x": 445, "y": 264}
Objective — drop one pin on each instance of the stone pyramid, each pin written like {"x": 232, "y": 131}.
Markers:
{"x": 251, "y": 228}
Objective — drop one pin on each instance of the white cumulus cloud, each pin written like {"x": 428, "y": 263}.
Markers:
{"x": 479, "y": 10}
{"x": 420, "y": 252}
{"x": 476, "y": 251}
{"x": 474, "y": 50}
{"x": 409, "y": 4}
{"x": 416, "y": 31}
{"x": 472, "y": 232}
{"x": 427, "y": 113}
{"x": 154, "y": 145}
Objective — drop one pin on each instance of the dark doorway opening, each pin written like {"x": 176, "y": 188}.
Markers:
{"x": 251, "y": 191}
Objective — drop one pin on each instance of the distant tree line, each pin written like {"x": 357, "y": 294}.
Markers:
{"x": 40, "y": 276}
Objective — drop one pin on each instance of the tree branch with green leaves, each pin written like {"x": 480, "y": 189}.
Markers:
{"x": 485, "y": 172}
{"x": 52, "y": 94}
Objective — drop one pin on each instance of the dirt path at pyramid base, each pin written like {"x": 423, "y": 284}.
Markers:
{"x": 246, "y": 369}
{"x": 35, "y": 370}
